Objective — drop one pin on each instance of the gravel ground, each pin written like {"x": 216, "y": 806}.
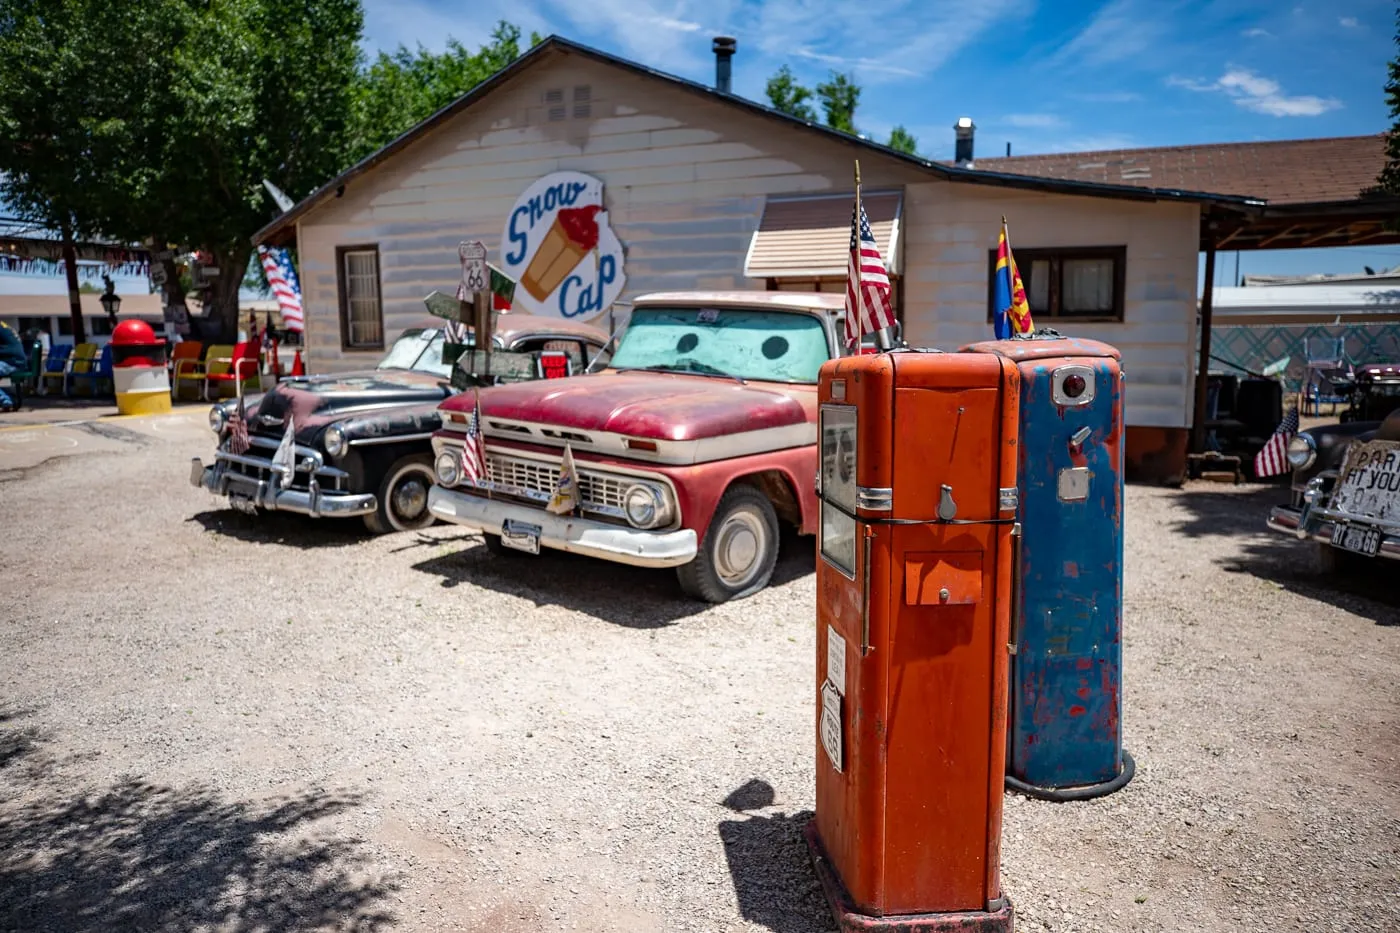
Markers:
{"x": 212, "y": 722}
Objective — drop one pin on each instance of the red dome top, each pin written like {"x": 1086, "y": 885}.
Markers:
{"x": 134, "y": 333}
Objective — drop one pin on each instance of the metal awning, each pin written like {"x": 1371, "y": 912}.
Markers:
{"x": 810, "y": 237}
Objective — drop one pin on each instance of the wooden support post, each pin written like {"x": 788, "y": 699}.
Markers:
{"x": 481, "y": 324}
{"x": 70, "y": 269}
{"x": 1198, "y": 424}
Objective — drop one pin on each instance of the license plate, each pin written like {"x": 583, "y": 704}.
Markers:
{"x": 521, "y": 536}
{"x": 242, "y": 504}
{"x": 1359, "y": 539}
{"x": 1370, "y": 484}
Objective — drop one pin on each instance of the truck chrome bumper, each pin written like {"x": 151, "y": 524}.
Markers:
{"x": 1289, "y": 521}
{"x": 567, "y": 533}
{"x": 246, "y": 493}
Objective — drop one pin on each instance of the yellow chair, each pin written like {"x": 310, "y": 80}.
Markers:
{"x": 83, "y": 362}
{"x": 184, "y": 364}
{"x": 217, "y": 358}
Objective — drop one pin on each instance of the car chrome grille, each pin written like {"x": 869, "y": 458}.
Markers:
{"x": 256, "y": 464}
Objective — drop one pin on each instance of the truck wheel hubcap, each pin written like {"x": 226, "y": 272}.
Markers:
{"x": 739, "y": 546}
{"x": 410, "y": 498}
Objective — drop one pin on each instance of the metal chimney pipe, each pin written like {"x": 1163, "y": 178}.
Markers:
{"x": 962, "y": 147}
{"x": 724, "y": 47}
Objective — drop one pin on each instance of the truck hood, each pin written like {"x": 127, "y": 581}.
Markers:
{"x": 660, "y": 406}
{"x": 316, "y": 402}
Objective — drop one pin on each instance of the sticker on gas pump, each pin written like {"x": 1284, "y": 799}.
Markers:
{"x": 831, "y": 724}
{"x": 836, "y": 660}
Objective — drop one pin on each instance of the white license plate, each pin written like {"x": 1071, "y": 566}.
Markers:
{"x": 1359, "y": 539}
{"x": 521, "y": 536}
{"x": 1370, "y": 485}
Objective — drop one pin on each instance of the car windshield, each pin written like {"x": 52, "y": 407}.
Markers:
{"x": 420, "y": 350}
{"x": 775, "y": 346}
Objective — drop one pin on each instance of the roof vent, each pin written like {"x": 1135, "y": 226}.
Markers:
{"x": 963, "y": 131}
{"x": 724, "y": 48}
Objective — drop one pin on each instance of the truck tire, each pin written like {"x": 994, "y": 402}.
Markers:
{"x": 738, "y": 551}
{"x": 403, "y": 496}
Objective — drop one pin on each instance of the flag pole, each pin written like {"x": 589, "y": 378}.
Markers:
{"x": 884, "y": 339}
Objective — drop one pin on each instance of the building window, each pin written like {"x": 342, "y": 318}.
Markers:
{"x": 1076, "y": 284}
{"x": 361, "y": 311}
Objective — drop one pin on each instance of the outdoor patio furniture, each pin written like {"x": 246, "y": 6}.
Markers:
{"x": 83, "y": 358}
{"x": 55, "y": 366}
{"x": 22, "y": 381}
{"x": 237, "y": 369}
{"x": 185, "y": 365}
{"x": 216, "y": 356}
{"x": 96, "y": 377}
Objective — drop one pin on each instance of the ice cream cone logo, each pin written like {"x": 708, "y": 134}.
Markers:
{"x": 558, "y": 243}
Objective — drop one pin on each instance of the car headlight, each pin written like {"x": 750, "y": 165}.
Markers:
{"x": 1301, "y": 452}
{"x": 646, "y": 506}
{"x": 335, "y": 441}
{"x": 448, "y": 468}
{"x": 218, "y": 419}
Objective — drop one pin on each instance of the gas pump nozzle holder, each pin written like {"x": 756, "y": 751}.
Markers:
{"x": 918, "y": 453}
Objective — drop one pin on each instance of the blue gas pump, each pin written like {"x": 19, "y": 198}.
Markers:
{"x": 1065, "y": 730}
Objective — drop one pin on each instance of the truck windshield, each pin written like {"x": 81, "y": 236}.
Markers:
{"x": 774, "y": 346}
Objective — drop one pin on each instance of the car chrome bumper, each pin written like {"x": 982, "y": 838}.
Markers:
{"x": 567, "y": 533}
{"x": 1290, "y": 521}
{"x": 263, "y": 495}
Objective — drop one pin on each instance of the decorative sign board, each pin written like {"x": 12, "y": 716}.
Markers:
{"x": 473, "y": 256}
{"x": 555, "y": 364}
{"x": 559, "y": 246}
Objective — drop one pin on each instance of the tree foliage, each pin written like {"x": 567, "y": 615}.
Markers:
{"x": 840, "y": 95}
{"x": 902, "y": 140}
{"x": 1390, "y": 175}
{"x": 158, "y": 121}
{"x": 786, "y": 95}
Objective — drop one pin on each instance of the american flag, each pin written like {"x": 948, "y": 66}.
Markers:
{"x": 238, "y": 430}
{"x": 277, "y": 265}
{"x": 1273, "y": 459}
{"x": 868, "y": 306}
{"x": 474, "y": 450}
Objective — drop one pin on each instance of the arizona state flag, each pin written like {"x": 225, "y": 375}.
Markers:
{"x": 1012, "y": 310}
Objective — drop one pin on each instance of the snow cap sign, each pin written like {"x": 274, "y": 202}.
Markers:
{"x": 558, "y": 245}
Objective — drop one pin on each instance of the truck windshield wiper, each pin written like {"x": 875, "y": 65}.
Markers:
{"x": 687, "y": 365}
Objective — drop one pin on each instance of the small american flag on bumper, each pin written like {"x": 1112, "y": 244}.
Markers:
{"x": 1273, "y": 459}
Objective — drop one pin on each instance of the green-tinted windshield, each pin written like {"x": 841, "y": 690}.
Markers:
{"x": 776, "y": 346}
{"x": 420, "y": 350}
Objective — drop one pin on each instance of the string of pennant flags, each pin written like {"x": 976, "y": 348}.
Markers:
{"x": 37, "y": 257}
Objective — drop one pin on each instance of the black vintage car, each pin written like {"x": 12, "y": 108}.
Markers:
{"x": 1346, "y": 476}
{"x": 363, "y": 438}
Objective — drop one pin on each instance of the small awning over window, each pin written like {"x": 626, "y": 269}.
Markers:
{"x": 807, "y": 237}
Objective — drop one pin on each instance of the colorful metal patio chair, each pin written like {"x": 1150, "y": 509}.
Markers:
{"x": 82, "y": 360}
{"x": 55, "y": 366}
{"x": 240, "y": 367}
{"x": 185, "y": 365}
{"x": 97, "y": 377}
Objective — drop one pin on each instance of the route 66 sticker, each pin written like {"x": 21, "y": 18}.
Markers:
{"x": 473, "y": 255}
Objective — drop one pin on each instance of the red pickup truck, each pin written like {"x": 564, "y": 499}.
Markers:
{"x": 691, "y": 445}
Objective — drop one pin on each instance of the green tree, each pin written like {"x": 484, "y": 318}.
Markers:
{"x": 399, "y": 90}
{"x": 786, "y": 95}
{"x": 158, "y": 121}
{"x": 902, "y": 140}
{"x": 1390, "y": 175}
{"x": 839, "y": 96}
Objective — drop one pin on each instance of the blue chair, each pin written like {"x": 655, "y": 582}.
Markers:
{"x": 98, "y": 377}
{"x": 55, "y": 367}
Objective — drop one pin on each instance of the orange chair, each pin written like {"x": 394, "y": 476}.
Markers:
{"x": 240, "y": 367}
{"x": 185, "y": 365}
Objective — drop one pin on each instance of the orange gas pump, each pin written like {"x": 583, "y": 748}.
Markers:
{"x": 917, "y": 482}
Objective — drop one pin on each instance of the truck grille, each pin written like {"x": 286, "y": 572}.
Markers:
{"x": 599, "y": 493}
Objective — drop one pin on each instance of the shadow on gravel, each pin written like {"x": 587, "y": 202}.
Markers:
{"x": 1227, "y": 510}
{"x": 283, "y": 528}
{"x": 633, "y": 597}
{"x": 1361, "y": 587}
{"x": 142, "y": 857}
{"x": 17, "y": 741}
{"x": 772, "y": 873}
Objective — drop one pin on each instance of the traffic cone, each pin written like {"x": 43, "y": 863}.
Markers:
{"x": 297, "y": 368}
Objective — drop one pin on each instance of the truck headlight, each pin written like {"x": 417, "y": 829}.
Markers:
{"x": 218, "y": 419}
{"x": 448, "y": 468}
{"x": 335, "y": 441}
{"x": 1301, "y": 452}
{"x": 646, "y": 506}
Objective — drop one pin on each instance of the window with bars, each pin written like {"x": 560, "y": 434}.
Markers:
{"x": 1079, "y": 283}
{"x": 361, "y": 310}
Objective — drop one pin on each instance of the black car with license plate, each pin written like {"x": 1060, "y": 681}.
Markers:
{"x": 363, "y": 439}
{"x": 1346, "y": 476}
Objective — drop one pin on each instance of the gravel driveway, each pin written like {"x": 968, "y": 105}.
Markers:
{"x": 212, "y": 722}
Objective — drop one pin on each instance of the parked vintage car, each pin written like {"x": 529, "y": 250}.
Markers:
{"x": 363, "y": 438}
{"x": 691, "y": 445}
{"x": 1346, "y": 477}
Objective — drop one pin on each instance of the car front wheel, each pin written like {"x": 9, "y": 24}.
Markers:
{"x": 403, "y": 496}
{"x": 739, "y": 550}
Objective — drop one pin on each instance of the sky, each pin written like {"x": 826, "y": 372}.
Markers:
{"x": 1040, "y": 75}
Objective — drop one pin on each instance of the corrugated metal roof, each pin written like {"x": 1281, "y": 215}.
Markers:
{"x": 1272, "y": 300}
{"x": 809, "y": 237}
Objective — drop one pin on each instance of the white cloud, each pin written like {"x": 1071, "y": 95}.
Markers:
{"x": 1108, "y": 97}
{"x": 1349, "y": 22}
{"x": 1260, "y": 94}
{"x": 1032, "y": 120}
{"x": 1121, "y": 30}
{"x": 1257, "y": 33}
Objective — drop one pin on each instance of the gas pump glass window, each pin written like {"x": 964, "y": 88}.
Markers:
{"x": 772, "y": 346}
{"x": 838, "y": 475}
